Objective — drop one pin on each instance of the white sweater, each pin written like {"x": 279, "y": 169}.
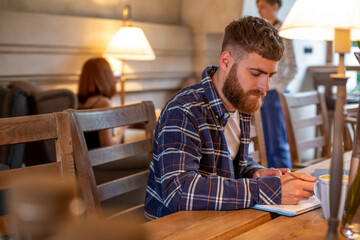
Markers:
{"x": 287, "y": 66}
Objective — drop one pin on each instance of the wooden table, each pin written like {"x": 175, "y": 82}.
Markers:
{"x": 310, "y": 225}
{"x": 326, "y": 164}
{"x": 242, "y": 224}
{"x": 205, "y": 224}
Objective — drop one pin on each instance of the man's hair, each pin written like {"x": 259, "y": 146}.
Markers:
{"x": 253, "y": 35}
{"x": 272, "y": 2}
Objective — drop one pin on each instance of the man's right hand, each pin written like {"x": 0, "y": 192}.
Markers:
{"x": 294, "y": 190}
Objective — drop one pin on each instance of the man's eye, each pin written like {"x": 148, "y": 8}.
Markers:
{"x": 255, "y": 74}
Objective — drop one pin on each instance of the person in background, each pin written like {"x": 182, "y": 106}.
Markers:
{"x": 276, "y": 144}
{"x": 201, "y": 141}
{"x": 96, "y": 89}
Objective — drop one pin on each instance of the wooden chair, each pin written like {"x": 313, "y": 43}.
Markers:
{"x": 350, "y": 119}
{"x": 257, "y": 137}
{"x": 321, "y": 142}
{"x": 355, "y": 156}
{"x": 86, "y": 160}
{"x": 52, "y": 126}
{"x": 323, "y": 79}
{"x": 41, "y": 101}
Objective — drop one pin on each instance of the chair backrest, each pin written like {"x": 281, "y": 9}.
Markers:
{"x": 321, "y": 141}
{"x": 3, "y": 91}
{"x": 350, "y": 121}
{"x": 257, "y": 137}
{"x": 355, "y": 158}
{"x": 53, "y": 126}
{"x": 323, "y": 79}
{"x": 44, "y": 101}
{"x": 55, "y": 100}
{"x": 13, "y": 103}
{"x": 86, "y": 160}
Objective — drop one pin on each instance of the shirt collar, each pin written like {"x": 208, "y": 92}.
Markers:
{"x": 211, "y": 94}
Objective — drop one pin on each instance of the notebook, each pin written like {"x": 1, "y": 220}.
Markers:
{"x": 291, "y": 210}
{"x": 303, "y": 206}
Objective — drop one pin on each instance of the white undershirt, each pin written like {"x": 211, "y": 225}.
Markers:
{"x": 232, "y": 133}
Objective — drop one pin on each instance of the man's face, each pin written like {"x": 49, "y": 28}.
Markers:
{"x": 247, "y": 82}
{"x": 266, "y": 10}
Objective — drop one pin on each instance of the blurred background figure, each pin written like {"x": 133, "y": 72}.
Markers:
{"x": 277, "y": 147}
{"x": 97, "y": 86}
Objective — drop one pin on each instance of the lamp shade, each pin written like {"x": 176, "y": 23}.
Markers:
{"x": 317, "y": 19}
{"x": 130, "y": 43}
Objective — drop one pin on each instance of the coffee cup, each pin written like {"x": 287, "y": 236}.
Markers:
{"x": 322, "y": 192}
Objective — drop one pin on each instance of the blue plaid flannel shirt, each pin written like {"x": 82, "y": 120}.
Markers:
{"x": 191, "y": 167}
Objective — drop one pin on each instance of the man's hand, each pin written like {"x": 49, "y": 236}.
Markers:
{"x": 294, "y": 190}
{"x": 268, "y": 172}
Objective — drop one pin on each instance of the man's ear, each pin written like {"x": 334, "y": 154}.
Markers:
{"x": 225, "y": 60}
{"x": 276, "y": 6}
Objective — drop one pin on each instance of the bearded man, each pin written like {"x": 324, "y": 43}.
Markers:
{"x": 201, "y": 141}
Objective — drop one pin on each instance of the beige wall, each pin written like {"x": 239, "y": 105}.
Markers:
{"x": 50, "y": 50}
{"x": 208, "y": 19}
{"x": 210, "y": 16}
{"x": 47, "y": 41}
{"x": 154, "y": 11}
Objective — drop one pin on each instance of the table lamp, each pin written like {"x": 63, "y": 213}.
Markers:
{"x": 129, "y": 43}
{"x": 337, "y": 21}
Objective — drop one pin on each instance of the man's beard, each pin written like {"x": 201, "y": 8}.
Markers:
{"x": 235, "y": 94}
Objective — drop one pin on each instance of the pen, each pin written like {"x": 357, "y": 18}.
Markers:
{"x": 293, "y": 175}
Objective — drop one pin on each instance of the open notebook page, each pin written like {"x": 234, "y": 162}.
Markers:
{"x": 291, "y": 210}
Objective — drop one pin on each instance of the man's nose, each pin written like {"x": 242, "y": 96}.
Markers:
{"x": 263, "y": 83}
